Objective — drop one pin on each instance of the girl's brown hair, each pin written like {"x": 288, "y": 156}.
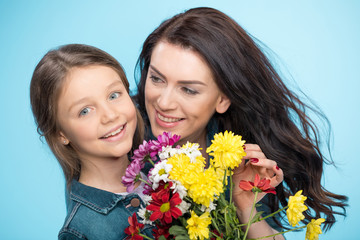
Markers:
{"x": 46, "y": 84}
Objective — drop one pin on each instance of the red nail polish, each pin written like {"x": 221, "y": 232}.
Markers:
{"x": 277, "y": 168}
{"x": 244, "y": 147}
{"x": 254, "y": 160}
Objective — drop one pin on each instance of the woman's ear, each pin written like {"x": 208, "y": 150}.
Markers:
{"x": 63, "y": 139}
{"x": 223, "y": 104}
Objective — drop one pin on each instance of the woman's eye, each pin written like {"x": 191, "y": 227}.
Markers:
{"x": 84, "y": 111}
{"x": 114, "y": 95}
{"x": 155, "y": 79}
{"x": 190, "y": 91}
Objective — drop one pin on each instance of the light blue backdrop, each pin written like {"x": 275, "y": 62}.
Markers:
{"x": 317, "y": 42}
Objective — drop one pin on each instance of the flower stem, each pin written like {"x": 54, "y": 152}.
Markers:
{"x": 272, "y": 214}
{"x": 144, "y": 236}
{"x": 146, "y": 182}
{"x": 150, "y": 161}
{"x": 251, "y": 213}
{"x": 231, "y": 187}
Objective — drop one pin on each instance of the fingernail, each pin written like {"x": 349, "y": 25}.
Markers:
{"x": 277, "y": 168}
{"x": 244, "y": 147}
{"x": 254, "y": 160}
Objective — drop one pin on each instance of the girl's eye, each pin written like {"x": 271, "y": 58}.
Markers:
{"x": 114, "y": 95}
{"x": 190, "y": 91}
{"x": 84, "y": 112}
{"x": 155, "y": 79}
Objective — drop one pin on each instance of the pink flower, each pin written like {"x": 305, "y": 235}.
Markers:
{"x": 166, "y": 139}
{"x": 144, "y": 153}
{"x": 132, "y": 175}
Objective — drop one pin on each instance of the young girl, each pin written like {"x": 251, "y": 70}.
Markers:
{"x": 81, "y": 104}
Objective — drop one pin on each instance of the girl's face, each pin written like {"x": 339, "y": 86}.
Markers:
{"x": 180, "y": 93}
{"x": 96, "y": 114}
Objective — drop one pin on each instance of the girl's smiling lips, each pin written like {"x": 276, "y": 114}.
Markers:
{"x": 167, "y": 121}
{"x": 115, "y": 134}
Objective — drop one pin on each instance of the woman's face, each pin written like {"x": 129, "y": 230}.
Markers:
{"x": 180, "y": 93}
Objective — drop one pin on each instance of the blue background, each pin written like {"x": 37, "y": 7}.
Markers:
{"x": 315, "y": 42}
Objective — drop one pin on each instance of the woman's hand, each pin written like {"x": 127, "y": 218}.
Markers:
{"x": 255, "y": 162}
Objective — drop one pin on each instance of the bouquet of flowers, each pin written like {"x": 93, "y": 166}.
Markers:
{"x": 185, "y": 199}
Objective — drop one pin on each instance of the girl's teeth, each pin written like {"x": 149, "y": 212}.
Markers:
{"x": 114, "y": 132}
{"x": 165, "y": 119}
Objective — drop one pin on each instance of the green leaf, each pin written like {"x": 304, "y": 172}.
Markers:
{"x": 162, "y": 237}
{"x": 182, "y": 237}
{"x": 179, "y": 232}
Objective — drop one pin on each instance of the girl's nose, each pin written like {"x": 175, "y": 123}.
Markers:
{"x": 166, "y": 100}
{"x": 109, "y": 113}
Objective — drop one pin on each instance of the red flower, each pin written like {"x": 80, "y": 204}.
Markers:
{"x": 161, "y": 230}
{"x": 220, "y": 236}
{"x": 259, "y": 185}
{"x": 164, "y": 207}
{"x": 134, "y": 229}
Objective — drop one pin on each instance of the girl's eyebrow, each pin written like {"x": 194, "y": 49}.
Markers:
{"x": 80, "y": 101}
{"x": 85, "y": 99}
{"x": 180, "y": 81}
{"x": 115, "y": 83}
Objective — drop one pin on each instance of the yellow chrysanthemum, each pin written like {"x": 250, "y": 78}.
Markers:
{"x": 220, "y": 174}
{"x": 185, "y": 171}
{"x": 227, "y": 150}
{"x": 206, "y": 188}
{"x": 198, "y": 226}
{"x": 296, "y": 208}
{"x": 313, "y": 229}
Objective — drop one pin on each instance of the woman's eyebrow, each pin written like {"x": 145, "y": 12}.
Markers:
{"x": 157, "y": 71}
{"x": 180, "y": 81}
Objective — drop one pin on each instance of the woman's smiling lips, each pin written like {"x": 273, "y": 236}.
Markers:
{"x": 167, "y": 121}
{"x": 115, "y": 134}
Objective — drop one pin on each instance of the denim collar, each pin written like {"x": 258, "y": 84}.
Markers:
{"x": 96, "y": 199}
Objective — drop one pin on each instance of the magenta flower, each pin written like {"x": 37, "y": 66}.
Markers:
{"x": 148, "y": 188}
{"x": 166, "y": 139}
{"x": 132, "y": 175}
{"x": 144, "y": 153}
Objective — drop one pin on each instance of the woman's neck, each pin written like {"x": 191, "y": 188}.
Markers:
{"x": 105, "y": 174}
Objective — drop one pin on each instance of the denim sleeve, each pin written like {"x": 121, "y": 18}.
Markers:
{"x": 69, "y": 234}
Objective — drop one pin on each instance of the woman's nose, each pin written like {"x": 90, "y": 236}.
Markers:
{"x": 166, "y": 100}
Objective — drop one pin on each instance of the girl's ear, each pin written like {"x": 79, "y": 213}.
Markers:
{"x": 223, "y": 104}
{"x": 63, "y": 139}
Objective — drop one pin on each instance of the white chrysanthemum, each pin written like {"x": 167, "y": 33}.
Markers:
{"x": 146, "y": 199}
{"x": 144, "y": 215}
{"x": 160, "y": 172}
{"x": 179, "y": 188}
{"x": 184, "y": 206}
{"x": 167, "y": 152}
{"x": 212, "y": 206}
{"x": 191, "y": 150}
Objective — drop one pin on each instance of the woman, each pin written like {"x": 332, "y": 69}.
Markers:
{"x": 201, "y": 73}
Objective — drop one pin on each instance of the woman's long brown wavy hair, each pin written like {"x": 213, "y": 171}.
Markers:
{"x": 263, "y": 110}
{"x": 46, "y": 84}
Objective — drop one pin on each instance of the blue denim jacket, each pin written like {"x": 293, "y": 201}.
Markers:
{"x": 97, "y": 214}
